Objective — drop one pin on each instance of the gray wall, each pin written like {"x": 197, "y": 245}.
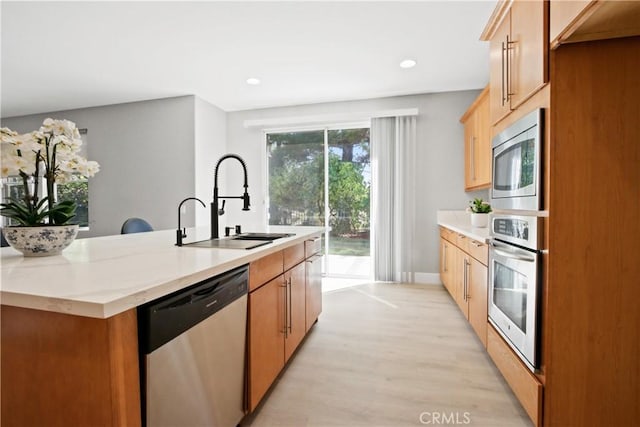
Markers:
{"x": 146, "y": 155}
{"x": 155, "y": 153}
{"x": 210, "y": 145}
{"x": 440, "y": 157}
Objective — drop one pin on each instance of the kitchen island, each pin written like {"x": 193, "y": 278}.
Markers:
{"x": 69, "y": 322}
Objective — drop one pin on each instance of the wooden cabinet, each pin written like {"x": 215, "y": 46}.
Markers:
{"x": 276, "y": 328}
{"x": 499, "y": 105}
{"x": 463, "y": 270}
{"x": 477, "y": 297}
{"x": 313, "y": 282}
{"x": 66, "y": 370}
{"x": 266, "y": 335}
{"x": 278, "y": 319}
{"x": 524, "y": 384}
{"x": 477, "y": 143}
{"x": 573, "y": 21}
{"x": 294, "y": 309}
{"x": 446, "y": 265}
{"x": 518, "y": 54}
{"x": 595, "y": 150}
{"x": 460, "y": 279}
{"x": 277, "y": 325}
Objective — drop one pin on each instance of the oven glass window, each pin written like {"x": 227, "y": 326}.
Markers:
{"x": 514, "y": 167}
{"x": 510, "y": 294}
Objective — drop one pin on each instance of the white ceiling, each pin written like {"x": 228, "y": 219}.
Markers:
{"x": 63, "y": 55}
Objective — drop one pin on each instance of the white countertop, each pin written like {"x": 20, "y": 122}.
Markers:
{"x": 103, "y": 276}
{"x": 460, "y": 221}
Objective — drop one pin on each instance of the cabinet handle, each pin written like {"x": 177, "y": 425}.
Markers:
{"x": 290, "y": 331}
{"x": 508, "y": 53}
{"x": 502, "y": 76}
{"x": 473, "y": 156}
{"x": 466, "y": 280}
{"x": 286, "y": 308}
{"x": 444, "y": 258}
{"x": 476, "y": 244}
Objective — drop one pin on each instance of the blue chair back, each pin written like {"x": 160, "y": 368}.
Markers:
{"x": 135, "y": 225}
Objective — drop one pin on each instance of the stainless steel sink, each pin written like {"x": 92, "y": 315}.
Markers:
{"x": 240, "y": 241}
{"x": 229, "y": 243}
{"x": 262, "y": 236}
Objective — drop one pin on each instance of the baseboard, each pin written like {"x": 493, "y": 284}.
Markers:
{"x": 428, "y": 278}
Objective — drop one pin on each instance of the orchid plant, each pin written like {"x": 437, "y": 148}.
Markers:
{"x": 50, "y": 154}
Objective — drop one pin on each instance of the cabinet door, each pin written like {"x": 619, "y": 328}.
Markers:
{"x": 295, "y": 308}
{"x": 562, "y": 14}
{"x": 266, "y": 337}
{"x": 314, "y": 290}
{"x": 499, "y": 104}
{"x": 470, "y": 145}
{"x": 529, "y": 33}
{"x": 446, "y": 264}
{"x": 482, "y": 149}
{"x": 477, "y": 148}
{"x": 461, "y": 279}
{"x": 477, "y": 298}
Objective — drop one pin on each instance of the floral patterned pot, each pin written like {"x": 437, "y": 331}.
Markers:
{"x": 45, "y": 240}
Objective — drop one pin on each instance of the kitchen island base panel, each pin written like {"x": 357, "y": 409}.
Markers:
{"x": 62, "y": 370}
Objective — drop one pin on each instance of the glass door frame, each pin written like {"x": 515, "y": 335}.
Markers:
{"x": 325, "y": 128}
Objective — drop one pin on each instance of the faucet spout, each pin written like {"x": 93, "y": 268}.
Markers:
{"x": 180, "y": 232}
{"x": 215, "y": 209}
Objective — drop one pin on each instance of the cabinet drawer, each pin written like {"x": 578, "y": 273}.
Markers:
{"x": 447, "y": 234}
{"x": 479, "y": 251}
{"x": 524, "y": 385}
{"x": 265, "y": 269}
{"x": 462, "y": 242}
{"x": 293, "y": 255}
{"x": 312, "y": 246}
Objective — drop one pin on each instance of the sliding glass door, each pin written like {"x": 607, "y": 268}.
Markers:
{"x": 323, "y": 178}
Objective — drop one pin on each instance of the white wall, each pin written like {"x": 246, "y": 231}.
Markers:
{"x": 210, "y": 145}
{"x": 146, "y": 155}
{"x": 440, "y": 158}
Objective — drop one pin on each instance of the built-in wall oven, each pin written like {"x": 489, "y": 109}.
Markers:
{"x": 515, "y": 282}
{"x": 517, "y": 164}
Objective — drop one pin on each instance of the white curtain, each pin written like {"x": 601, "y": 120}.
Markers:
{"x": 393, "y": 165}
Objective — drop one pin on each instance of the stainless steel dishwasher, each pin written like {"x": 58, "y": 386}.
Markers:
{"x": 192, "y": 346}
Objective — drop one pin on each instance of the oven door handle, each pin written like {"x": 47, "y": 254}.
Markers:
{"x": 511, "y": 253}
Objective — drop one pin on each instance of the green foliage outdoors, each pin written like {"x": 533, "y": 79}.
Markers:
{"x": 296, "y": 181}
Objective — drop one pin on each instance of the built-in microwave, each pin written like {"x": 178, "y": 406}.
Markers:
{"x": 517, "y": 164}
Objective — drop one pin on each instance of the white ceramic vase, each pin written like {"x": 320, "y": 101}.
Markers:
{"x": 38, "y": 241}
{"x": 479, "y": 220}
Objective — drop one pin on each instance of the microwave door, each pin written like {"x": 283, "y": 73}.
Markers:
{"x": 514, "y": 165}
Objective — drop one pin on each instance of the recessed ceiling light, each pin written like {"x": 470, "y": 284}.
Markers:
{"x": 253, "y": 81}
{"x": 408, "y": 63}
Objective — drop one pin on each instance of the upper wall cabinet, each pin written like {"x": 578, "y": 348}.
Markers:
{"x": 584, "y": 20}
{"x": 518, "y": 36}
{"x": 477, "y": 143}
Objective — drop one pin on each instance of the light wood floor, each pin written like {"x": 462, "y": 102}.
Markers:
{"x": 385, "y": 355}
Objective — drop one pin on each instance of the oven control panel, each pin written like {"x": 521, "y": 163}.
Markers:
{"x": 511, "y": 227}
{"x": 521, "y": 230}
